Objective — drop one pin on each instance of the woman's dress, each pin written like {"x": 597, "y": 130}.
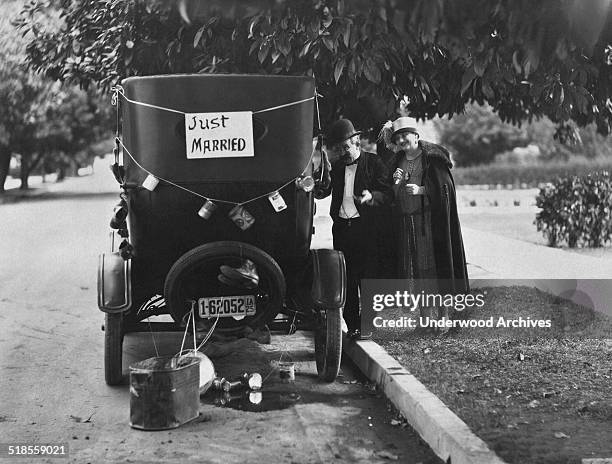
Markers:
{"x": 413, "y": 225}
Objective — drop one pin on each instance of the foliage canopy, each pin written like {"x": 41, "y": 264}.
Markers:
{"x": 526, "y": 59}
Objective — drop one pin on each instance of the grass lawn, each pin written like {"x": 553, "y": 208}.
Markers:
{"x": 534, "y": 395}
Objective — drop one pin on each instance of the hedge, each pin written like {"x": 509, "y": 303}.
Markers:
{"x": 576, "y": 210}
{"x": 528, "y": 175}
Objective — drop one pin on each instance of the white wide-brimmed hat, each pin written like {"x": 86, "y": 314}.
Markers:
{"x": 404, "y": 124}
{"x": 399, "y": 126}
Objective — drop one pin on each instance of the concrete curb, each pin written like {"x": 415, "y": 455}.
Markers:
{"x": 16, "y": 195}
{"x": 447, "y": 435}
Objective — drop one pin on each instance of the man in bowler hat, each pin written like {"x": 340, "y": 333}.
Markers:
{"x": 359, "y": 184}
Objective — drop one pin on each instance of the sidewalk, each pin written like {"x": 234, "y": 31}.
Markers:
{"x": 502, "y": 261}
{"x": 491, "y": 256}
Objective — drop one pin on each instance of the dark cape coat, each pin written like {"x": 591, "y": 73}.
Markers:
{"x": 439, "y": 186}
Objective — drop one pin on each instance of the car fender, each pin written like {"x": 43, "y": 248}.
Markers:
{"x": 329, "y": 279}
{"x": 114, "y": 283}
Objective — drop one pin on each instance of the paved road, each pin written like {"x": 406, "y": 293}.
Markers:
{"x": 51, "y": 378}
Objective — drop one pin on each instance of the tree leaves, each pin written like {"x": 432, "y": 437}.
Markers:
{"x": 440, "y": 54}
{"x": 338, "y": 69}
{"x": 487, "y": 90}
{"x": 251, "y": 25}
{"x": 352, "y": 69}
{"x": 371, "y": 71}
{"x": 198, "y": 36}
{"x": 264, "y": 48}
{"x": 480, "y": 64}
{"x": 346, "y": 34}
{"x": 283, "y": 44}
{"x": 329, "y": 44}
{"x": 313, "y": 28}
{"x": 254, "y": 46}
{"x": 466, "y": 81}
{"x": 305, "y": 48}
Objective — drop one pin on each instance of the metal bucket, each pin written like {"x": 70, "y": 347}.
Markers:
{"x": 164, "y": 392}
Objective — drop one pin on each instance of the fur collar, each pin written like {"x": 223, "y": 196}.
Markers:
{"x": 432, "y": 153}
{"x": 436, "y": 153}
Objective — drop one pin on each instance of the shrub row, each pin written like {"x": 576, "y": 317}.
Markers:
{"x": 576, "y": 210}
{"x": 527, "y": 175}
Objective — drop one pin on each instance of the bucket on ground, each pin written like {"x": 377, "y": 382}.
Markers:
{"x": 164, "y": 392}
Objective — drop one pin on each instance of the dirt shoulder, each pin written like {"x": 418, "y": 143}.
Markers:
{"x": 534, "y": 395}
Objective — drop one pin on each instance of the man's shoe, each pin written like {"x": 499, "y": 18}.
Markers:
{"x": 357, "y": 335}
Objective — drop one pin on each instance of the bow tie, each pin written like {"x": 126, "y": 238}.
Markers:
{"x": 352, "y": 162}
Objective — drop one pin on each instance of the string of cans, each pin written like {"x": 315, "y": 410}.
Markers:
{"x": 238, "y": 214}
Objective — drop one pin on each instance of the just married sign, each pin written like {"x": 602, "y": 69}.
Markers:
{"x": 219, "y": 135}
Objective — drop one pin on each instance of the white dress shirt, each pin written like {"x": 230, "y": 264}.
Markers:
{"x": 348, "y": 210}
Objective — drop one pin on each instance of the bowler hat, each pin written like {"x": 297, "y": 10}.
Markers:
{"x": 339, "y": 131}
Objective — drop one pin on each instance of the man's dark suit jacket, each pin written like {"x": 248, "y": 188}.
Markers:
{"x": 371, "y": 174}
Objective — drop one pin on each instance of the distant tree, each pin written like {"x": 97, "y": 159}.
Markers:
{"x": 478, "y": 136}
{"x": 20, "y": 95}
{"x": 526, "y": 59}
{"x": 15, "y": 91}
{"x": 68, "y": 122}
{"x": 41, "y": 119}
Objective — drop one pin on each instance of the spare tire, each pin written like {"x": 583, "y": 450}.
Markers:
{"x": 194, "y": 276}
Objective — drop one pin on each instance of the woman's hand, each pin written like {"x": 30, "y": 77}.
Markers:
{"x": 398, "y": 175}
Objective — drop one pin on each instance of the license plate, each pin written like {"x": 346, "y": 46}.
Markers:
{"x": 227, "y": 306}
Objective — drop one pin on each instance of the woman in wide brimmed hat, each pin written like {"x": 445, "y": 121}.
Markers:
{"x": 425, "y": 209}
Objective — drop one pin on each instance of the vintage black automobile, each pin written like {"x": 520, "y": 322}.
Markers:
{"x": 190, "y": 241}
